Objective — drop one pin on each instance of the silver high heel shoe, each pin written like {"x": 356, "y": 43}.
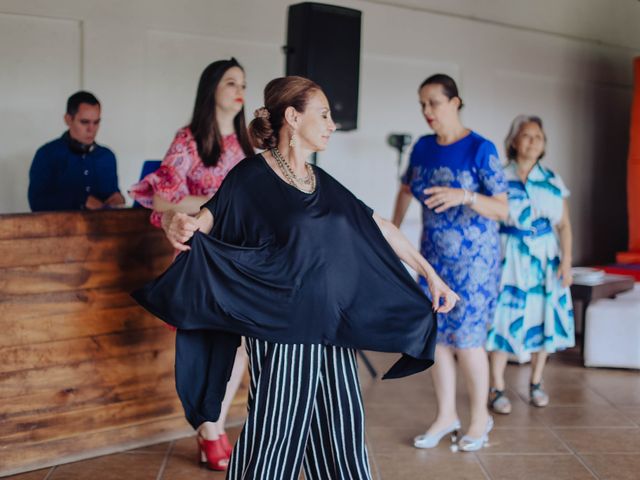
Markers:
{"x": 431, "y": 441}
{"x": 470, "y": 444}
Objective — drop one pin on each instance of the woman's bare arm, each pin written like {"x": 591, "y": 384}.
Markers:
{"x": 566, "y": 237}
{"x": 407, "y": 253}
{"x": 403, "y": 199}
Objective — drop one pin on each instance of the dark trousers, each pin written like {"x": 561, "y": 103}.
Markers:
{"x": 305, "y": 411}
{"x": 204, "y": 360}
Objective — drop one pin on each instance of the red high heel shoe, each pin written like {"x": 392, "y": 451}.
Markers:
{"x": 228, "y": 448}
{"x": 213, "y": 454}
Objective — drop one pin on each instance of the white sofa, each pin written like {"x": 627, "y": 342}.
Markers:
{"x": 612, "y": 333}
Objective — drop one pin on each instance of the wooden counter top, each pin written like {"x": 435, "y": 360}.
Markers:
{"x": 84, "y": 371}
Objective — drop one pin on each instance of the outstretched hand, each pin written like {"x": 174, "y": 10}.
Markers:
{"x": 444, "y": 299}
{"x": 179, "y": 228}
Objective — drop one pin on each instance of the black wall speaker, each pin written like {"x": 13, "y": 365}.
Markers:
{"x": 323, "y": 44}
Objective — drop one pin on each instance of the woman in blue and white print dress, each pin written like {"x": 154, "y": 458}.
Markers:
{"x": 457, "y": 177}
{"x": 534, "y": 313}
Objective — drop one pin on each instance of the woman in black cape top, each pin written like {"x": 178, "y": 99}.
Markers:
{"x": 308, "y": 274}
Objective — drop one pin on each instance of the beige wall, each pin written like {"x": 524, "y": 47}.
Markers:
{"x": 569, "y": 62}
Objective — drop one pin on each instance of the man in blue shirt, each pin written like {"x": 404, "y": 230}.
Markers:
{"x": 73, "y": 172}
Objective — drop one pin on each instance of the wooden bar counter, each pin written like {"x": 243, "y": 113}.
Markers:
{"x": 84, "y": 371}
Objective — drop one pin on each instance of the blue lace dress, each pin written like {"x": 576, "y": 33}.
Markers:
{"x": 534, "y": 310}
{"x": 462, "y": 246}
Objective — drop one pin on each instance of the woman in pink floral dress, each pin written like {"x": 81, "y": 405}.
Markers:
{"x": 199, "y": 158}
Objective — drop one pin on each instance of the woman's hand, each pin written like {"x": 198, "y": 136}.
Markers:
{"x": 441, "y": 291}
{"x": 443, "y": 198}
{"x": 564, "y": 272}
{"x": 179, "y": 227}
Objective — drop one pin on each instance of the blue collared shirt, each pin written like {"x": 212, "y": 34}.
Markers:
{"x": 62, "y": 179}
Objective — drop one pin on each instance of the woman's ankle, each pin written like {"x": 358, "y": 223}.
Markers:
{"x": 209, "y": 430}
{"x": 445, "y": 419}
{"x": 480, "y": 416}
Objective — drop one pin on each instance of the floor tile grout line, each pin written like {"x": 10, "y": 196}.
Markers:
{"x": 593, "y": 390}
{"x": 584, "y": 405}
{"x": 495, "y": 429}
{"x": 48, "y": 475}
{"x": 632, "y": 452}
{"x": 586, "y": 465}
{"x": 589, "y": 427}
{"x": 486, "y": 473}
{"x": 627, "y": 417}
{"x": 165, "y": 460}
{"x": 610, "y": 402}
{"x": 575, "y": 454}
{"x": 578, "y": 427}
{"x": 527, "y": 454}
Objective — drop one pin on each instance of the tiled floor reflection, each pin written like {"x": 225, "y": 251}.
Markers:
{"x": 590, "y": 430}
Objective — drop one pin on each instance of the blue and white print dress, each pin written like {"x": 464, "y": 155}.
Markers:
{"x": 534, "y": 310}
{"x": 461, "y": 245}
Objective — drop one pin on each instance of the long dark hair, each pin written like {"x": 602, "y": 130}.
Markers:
{"x": 204, "y": 124}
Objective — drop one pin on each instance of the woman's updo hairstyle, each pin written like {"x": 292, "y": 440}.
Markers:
{"x": 279, "y": 94}
{"x": 448, "y": 84}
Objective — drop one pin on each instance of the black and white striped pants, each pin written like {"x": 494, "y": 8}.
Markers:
{"x": 305, "y": 409}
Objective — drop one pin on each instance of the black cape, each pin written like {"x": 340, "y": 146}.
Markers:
{"x": 284, "y": 266}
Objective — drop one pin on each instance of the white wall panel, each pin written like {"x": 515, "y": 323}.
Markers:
{"x": 40, "y": 68}
{"x": 174, "y": 64}
{"x": 388, "y": 104}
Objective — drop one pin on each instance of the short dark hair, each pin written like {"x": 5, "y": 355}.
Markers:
{"x": 74, "y": 101}
{"x": 448, "y": 84}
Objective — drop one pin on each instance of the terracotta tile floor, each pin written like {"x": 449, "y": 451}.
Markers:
{"x": 590, "y": 430}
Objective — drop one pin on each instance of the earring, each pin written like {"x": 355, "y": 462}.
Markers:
{"x": 293, "y": 142}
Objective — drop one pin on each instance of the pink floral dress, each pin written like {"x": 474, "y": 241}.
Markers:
{"x": 182, "y": 172}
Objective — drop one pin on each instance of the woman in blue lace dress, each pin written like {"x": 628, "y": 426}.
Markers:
{"x": 457, "y": 177}
{"x": 534, "y": 313}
